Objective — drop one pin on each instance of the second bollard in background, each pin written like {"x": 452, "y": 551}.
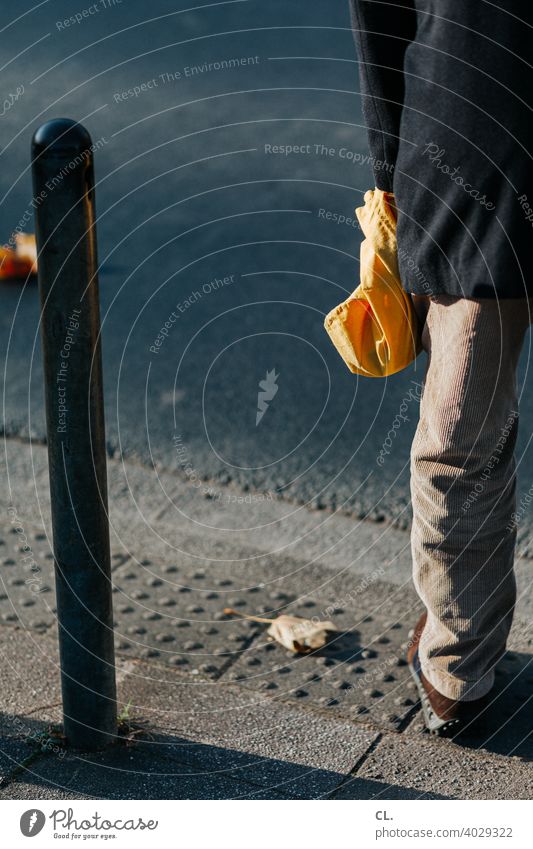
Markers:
{"x": 63, "y": 184}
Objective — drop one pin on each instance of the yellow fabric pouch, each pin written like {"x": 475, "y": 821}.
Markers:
{"x": 376, "y": 330}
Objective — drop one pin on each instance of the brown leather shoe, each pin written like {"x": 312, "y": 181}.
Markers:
{"x": 442, "y": 716}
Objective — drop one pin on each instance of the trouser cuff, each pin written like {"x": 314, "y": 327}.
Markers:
{"x": 455, "y": 688}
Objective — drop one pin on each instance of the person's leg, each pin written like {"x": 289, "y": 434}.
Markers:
{"x": 463, "y": 489}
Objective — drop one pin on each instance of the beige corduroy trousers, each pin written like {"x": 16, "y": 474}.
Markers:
{"x": 463, "y": 489}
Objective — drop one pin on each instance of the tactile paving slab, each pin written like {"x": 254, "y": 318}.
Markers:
{"x": 27, "y": 594}
{"x": 174, "y": 614}
{"x": 361, "y": 674}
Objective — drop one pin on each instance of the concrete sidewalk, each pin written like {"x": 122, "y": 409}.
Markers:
{"x": 215, "y": 709}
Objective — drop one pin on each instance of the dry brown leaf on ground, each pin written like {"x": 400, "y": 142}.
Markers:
{"x": 294, "y": 632}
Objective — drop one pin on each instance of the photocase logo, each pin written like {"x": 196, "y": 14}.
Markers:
{"x": 32, "y": 822}
{"x": 267, "y": 390}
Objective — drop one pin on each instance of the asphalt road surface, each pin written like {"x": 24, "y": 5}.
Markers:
{"x": 231, "y": 154}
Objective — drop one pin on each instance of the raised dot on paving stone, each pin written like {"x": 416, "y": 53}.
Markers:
{"x": 125, "y": 608}
{"x": 390, "y": 717}
{"x": 10, "y": 617}
{"x": 136, "y": 629}
{"x": 368, "y": 619}
{"x": 154, "y": 582}
{"x": 225, "y": 582}
{"x": 166, "y": 602}
{"x": 373, "y": 693}
{"x": 368, "y": 654}
{"x": 27, "y": 602}
{"x": 192, "y": 645}
{"x": 3, "y": 597}
{"x": 208, "y": 668}
{"x": 150, "y": 653}
{"x": 182, "y": 623}
{"x": 150, "y": 615}
{"x": 38, "y": 623}
{"x": 184, "y": 590}
{"x": 301, "y": 694}
{"x": 253, "y": 589}
{"x": 237, "y": 676}
{"x": 168, "y": 570}
{"x": 342, "y": 685}
{"x": 146, "y": 562}
{"x": 236, "y": 602}
{"x": 164, "y": 638}
{"x": 270, "y": 647}
{"x": 129, "y": 576}
{"x": 388, "y": 678}
{"x": 212, "y": 595}
{"x": 178, "y": 660}
{"x": 49, "y": 556}
{"x": 400, "y": 661}
{"x": 404, "y": 702}
{"x": 194, "y": 608}
{"x": 359, "y": 709}
{"x": 9, "y": 561}
{"x": 358, "y": 670}
{"x": 309, "y": 603}
{"x": 139, "y": 594}
{"x": 283, "y": 670}
{"x": 220, "y": 616}
{"x": 253, "y": 661}
{"x": 313, "y": 677}
{"x": 208, "y": 629}
{"x": 123, "y": 645}
{"x": 199, "y": 576}
{"x": 15, "y": 582}
{"x": 383, "y": 640}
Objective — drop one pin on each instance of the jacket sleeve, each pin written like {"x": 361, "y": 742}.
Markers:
{"x": 382, "y": 30}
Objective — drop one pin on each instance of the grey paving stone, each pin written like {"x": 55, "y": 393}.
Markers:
{"x": 123, "y": 773}
{"x": 429, "y": 767}
{"x": 29, "y": 671}
{"x": 361, "y": 674}
{"x": 174, "y": 612}
{"x": 216, "y": 726}
{"x": 12, "y": 753}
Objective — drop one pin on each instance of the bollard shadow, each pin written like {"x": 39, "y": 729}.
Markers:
{"x": 169, "y": 767}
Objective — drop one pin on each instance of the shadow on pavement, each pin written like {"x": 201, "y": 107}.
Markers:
{"x": 506, "y": 725}
{"x": 164, "y": 767}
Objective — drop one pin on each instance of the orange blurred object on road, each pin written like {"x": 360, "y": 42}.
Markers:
{"x": 19, "y": 262}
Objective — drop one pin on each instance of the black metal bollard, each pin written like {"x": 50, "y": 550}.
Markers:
{"x": 63, "y": 183}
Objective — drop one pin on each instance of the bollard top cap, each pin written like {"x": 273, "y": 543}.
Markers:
{"x": 60, "y": 136}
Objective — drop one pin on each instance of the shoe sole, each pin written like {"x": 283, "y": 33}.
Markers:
{"x": 435, "y": 725}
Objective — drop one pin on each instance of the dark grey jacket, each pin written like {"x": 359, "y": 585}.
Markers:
{"x": 447, "y": 89}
